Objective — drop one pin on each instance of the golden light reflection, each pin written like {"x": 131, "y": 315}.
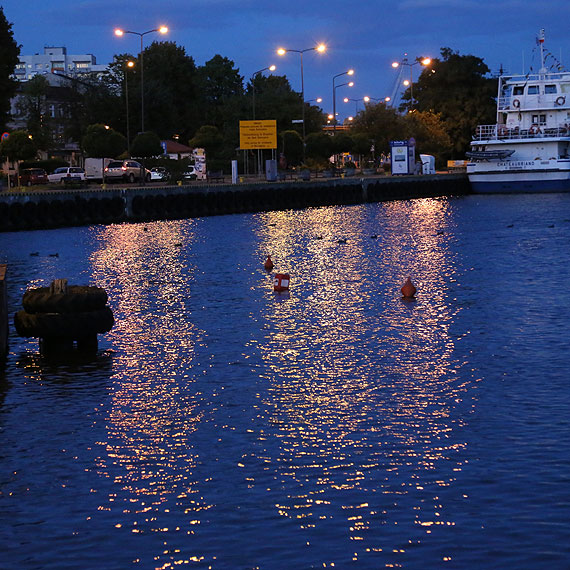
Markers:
{"x": 153, "y": 415}
{"x": 328, "y": 402}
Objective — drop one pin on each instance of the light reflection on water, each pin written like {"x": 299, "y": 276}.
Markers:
{"x": 228, "y": 426}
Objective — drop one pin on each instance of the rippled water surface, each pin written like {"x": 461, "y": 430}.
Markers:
{"x": 223, "y": 425}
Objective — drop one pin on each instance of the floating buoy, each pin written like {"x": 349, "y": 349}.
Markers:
{"x": 408, "y": 289}
{"x": 281, "y": 282}
{"x": 268, "y": 264}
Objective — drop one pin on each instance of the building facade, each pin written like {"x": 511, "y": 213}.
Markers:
{"x": 55, "y": 60}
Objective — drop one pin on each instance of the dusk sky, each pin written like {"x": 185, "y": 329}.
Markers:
{"x": 365, "y": 35}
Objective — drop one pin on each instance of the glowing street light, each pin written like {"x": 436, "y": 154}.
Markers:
{"x": 130, "y": 64}
{"x": 367, "y": 99}
{"x": 425, "y": 61}
{"x": 321, "y": 48}
{"x": 252, "y": 79}
{"x": 119, "y": 33}
{"x": 350, "y": 84}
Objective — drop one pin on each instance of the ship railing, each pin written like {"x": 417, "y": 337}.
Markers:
{"x": 531, "y": 102}
{"x": 501, "y": 132}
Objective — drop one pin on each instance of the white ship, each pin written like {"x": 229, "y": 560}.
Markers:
{"x": 527, "y": 150}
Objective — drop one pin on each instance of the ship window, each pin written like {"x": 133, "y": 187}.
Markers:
{"x": 533, "y": 89}
{"x": 518, "y": 90}
{"x": 565, "y": 87}
{"x": 549, "y": 89}
{"x": 539, "y": 119}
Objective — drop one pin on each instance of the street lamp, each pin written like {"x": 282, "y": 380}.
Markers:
{"x": 350, "y": 84}
{"x": 252, "y": 80}
{"x": 119, "y": 32}
{"x": 356, "y": 101}
{"x": 367, "y": 99}
{"x": 317, "y": 100}
{"x": 425, "y": 61}
{"x": 129, "y": 64}
{"x": 321, "y": 48}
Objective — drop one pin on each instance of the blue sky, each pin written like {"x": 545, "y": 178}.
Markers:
{"x": 365, "y": 35}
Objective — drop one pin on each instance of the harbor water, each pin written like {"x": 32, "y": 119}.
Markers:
{"x": 223, "y": 425}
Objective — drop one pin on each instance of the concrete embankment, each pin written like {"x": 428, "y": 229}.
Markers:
{"x": 3, "y": 313}
{"x": 44, "y": 209}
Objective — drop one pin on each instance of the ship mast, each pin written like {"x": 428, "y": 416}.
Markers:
{"x": 543, "y": 69}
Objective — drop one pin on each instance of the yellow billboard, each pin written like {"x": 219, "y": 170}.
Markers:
{"x": 258, "y": 134}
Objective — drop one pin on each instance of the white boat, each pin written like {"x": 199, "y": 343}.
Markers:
{"x": 527, "y": 150}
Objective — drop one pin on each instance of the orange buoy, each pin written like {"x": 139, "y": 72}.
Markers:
{"x": 281, "y": 282}
{"x": 268, "y": 264}
{"x": 408, "y": 289}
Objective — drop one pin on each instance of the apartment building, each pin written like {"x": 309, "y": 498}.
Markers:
{"x": 56, "y": 60}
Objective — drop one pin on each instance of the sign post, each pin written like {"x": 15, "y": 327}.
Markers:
{"x": 403, "y": 157}
{"x": 258, "y": 135}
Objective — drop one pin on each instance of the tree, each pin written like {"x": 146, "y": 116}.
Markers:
{"x": 100, "y": 141}
{"x": 146, "y": 145}
{"x": 292, "y": 147}
{"x": 274, "y": 99}
{"x": 18, "y": 146}
{"x": 209, "y": 138}
{"x": 430, "y": 134}
{"x": 219, "y": 82}
{"x": 319, "y": 147}
{"x": 92, "y": 99}
{"x": 457, "y": 88}
{"x": 361, "y": 146}
{"x": 342, "y": 142}
{"x": 380, "y": 124}
{"x": 33, "y": 105}
{"x": 171, "y": 103}
{"x": 9, "y": 52}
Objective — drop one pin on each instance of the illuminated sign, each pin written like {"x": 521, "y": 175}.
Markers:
{"x": 258, "y": 134}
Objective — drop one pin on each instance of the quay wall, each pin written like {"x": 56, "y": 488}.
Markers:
{"x": 3, "y": 313}
{"x": 53, "y": 208}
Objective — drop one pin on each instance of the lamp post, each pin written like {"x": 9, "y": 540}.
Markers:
{"x": 350, "y": 84}
{"x": 367, "y": 99}
{"x": 425, "y": 61}
{"x": 356, "y": 101}
{"x": 252, "y": 79}
{"x": 321, "y": 48}
{"x": 130, "y": 64}
{"x": 119, "y": 32}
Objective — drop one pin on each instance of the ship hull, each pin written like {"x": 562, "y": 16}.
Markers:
{"x": 509, "y": 180}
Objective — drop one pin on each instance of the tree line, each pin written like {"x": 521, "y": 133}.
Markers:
{"x": 202, "y": 106}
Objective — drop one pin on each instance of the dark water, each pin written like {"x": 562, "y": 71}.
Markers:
{"x": 223, "y": 425}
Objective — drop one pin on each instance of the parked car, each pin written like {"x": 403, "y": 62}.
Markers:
{"x": 30, "y": 176}
{"x": 190, "y": 173}
{"x": 67, "y": 173}
{"x": 159, "y": 173}
{"x": 127, "y": 170}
